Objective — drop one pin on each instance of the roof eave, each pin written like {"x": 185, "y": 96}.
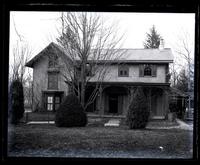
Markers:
{"x": 29, "y": 64}
{"x": 133, "y": 61}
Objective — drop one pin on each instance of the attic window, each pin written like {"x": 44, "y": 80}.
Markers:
{"x": 147, "y": 70}
{"x": 53, "y": 61}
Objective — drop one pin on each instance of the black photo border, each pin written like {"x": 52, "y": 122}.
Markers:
{"x": 154, "y": 6}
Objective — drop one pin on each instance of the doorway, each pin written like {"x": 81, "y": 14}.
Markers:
{"x": 113, "y": 103}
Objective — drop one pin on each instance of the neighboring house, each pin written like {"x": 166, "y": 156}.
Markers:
{"x": 141, "y": 67}
{"x": 180, "y": 98}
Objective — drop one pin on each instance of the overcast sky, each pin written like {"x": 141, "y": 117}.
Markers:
{"x": 39, "y": 28}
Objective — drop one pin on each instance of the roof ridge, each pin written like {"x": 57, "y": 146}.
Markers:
{"x": 135, "y": 49}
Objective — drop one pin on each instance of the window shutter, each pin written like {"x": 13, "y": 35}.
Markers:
{"x": 154, "y": 70}
{"x": 141, "y": 70}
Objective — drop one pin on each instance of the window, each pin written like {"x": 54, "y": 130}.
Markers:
{"x": 57, "y": 102}
{"x": 53, "y": 61}
{"x": 52, "y": 80}
{"x": 89, "y": 70}
{"x": 123, "y": 71}
{"x": 147, "y": 70}
{"x": 50, "y": 103}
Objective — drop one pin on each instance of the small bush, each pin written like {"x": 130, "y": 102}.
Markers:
{"x": 16, "y": 101}
{"x": 70, "y": 113}
{"x": 138, "y": 112}
{"x": 174, "y": 110}
{"x": 173, "y": 107}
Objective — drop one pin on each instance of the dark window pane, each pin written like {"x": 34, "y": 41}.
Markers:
{"x": 57, "y": 99}
{"x": 125, "y": 72}
{"x": 57, "y": 106}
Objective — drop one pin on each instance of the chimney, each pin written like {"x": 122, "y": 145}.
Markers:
{"x": 161, "y": 46}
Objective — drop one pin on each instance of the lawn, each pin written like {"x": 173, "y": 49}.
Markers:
{"x": 90, "y": 141}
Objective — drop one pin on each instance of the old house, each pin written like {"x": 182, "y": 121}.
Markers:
{"x": 141, "y": 67}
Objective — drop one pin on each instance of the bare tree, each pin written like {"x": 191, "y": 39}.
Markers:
{"x": 174, "y": 71}
{"x": 184, "y": 49}
{"x": 21, "y": 54}
{"x": 91, "y": 46}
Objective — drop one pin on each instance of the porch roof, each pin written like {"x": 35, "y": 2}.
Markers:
{"x": 177, "y": 93}
{"x": 131, "y": 83}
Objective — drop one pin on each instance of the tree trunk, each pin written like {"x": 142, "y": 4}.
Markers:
{"x": 83, "y": 82}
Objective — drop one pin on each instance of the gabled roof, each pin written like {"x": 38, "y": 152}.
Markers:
{"x": 141, "y": 56}
{"x": 148, "y": 55}
{"x": 56, "y": 48}
{"x": 128, "y": 55}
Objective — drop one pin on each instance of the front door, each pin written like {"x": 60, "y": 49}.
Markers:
{"x": 113, "y": 103}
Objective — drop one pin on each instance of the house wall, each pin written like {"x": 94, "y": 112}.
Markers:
{"x": 112, "y": 75}
{"x": 40, "y": 81}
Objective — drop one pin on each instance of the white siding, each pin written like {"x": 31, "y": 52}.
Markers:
{"x": 112, "y": 75}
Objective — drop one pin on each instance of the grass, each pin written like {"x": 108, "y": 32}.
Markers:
{"x": 36, "y": 140}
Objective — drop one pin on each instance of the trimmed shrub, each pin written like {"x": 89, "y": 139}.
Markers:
{"x": 173, "y": 107}
{"x": 138, "y": 112}
{"x": 70, "y": 113}
{"x": 16, "y": 101}
{"x": 174, "y": 111}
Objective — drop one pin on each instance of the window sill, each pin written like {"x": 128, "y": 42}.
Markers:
{"x": 123, "y": 76}
{"x": 149, "y": 76}
{"x": 53, "y": 70}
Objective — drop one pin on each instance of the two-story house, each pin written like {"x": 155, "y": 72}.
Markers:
{"x": 141, "y": 67}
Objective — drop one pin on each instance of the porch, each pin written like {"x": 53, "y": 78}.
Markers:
{"x": 113, "y": 101}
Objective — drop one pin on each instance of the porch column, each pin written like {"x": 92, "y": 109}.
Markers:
{"x": 131, "y": 94}
{"x": 100, "y": 101}
{"x": 149, "y": 99}
{"x": 130, "y": 97}
{"x": 166, "y": 100}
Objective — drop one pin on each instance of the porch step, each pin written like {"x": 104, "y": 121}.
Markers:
{"x": 113, "y": 122}
{"x": 41, "y": 122}
{"x": 158, "y": 117}
{"x": 106, "y": 116}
